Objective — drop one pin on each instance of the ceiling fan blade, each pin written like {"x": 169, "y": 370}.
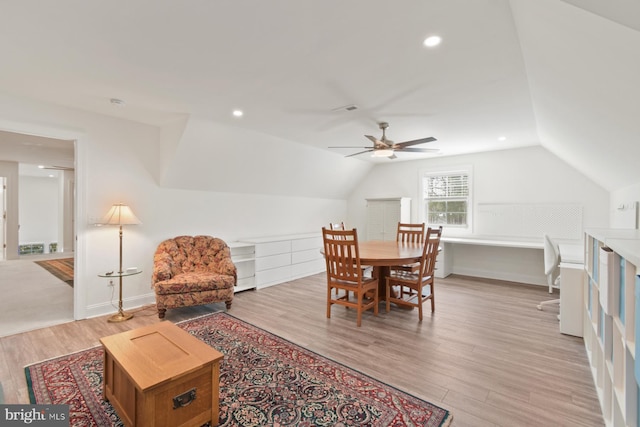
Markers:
{"x": 418, "y": 150}
{"x": 414, "y": 142}
{"x": 380, "y": 143}
{"x": 59, "y": 168}
{"x": 349, "y": 147}
{"x": 361, "y": 152}
{"x": 372, "y": 139}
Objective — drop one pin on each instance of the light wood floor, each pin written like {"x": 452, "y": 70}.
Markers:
{"x": 487, "y": 354}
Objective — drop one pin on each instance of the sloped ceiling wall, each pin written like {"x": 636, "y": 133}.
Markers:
{"x": 625, "y": 12}
{"x": 582, "y": 62}
{"x": 583, "y": 69}
{"x": 216, "y": 157}
{"x": 584, "y": 78}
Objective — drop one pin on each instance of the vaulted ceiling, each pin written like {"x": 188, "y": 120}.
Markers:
{"x": 563, "y": 74}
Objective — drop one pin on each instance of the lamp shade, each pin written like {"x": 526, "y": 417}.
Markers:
{"x": 120, "y": 214}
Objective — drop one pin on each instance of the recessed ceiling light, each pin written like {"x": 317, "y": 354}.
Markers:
{"x": 117, "y": 102}
{"x": 238, "y": 113}
{"x": 502, "y": 138}
{"x": 40, "y": 166}
{"x": 432, "y": 41}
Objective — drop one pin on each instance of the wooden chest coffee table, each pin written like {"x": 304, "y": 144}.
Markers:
{"x": 160, "y": 376}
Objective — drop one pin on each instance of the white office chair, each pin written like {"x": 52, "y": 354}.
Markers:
{"x": 551, "y": 268}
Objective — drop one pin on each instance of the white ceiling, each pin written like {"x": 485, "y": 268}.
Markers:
{"x": 33, "y": 151}
{"x": 563, "y": 74}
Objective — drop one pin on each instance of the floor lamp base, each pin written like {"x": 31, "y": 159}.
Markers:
{"x": 120, "y": 317}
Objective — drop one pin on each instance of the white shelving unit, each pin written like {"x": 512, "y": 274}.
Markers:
{"x": 383, "y": 216}
{"x": 279, "y": 259}
{"x": 611, "y": 321}
{"x": 243, "y": 256}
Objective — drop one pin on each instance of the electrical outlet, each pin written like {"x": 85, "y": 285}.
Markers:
{"x": 93, "y": 220}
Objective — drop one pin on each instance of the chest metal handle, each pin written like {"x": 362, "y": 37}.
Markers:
{"x": 184, "y": 399}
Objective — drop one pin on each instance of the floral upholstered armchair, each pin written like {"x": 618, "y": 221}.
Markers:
{"x": 192, "y": 270}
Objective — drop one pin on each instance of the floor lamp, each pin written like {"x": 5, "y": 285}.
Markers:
{"x": 120, "y": 215}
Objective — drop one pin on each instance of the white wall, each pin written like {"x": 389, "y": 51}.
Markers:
{"x": 118, "y": 161}
{"x": 39, "y": 210}
{"x": 524, "y": 175}
{"x": 622, "y": 199}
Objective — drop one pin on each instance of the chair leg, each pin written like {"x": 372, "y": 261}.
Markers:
{"x": 329, "y": 302}
{"x": 542, "y": 304}
{"x": 359, "y": 321}
{"x": 375, "y": 302}
{"x": 161, "y": 312}
{"x": 433, "y": 298}
{"x": 388, "y": 294}
{"x": 227, "y": 304}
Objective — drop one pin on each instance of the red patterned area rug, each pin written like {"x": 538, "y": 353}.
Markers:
{"x": 265, "y": 380}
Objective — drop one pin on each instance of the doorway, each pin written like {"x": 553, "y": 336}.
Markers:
{"x": 34, "y": 298}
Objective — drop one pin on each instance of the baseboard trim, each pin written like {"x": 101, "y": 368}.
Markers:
{"x": 102, "y": 309}
{"x": 497, "y": 275}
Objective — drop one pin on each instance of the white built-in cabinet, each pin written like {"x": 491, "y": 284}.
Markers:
{"x": 611, "y": 321}
{"x": 243, "y": 256}
{"x": 280, "y": 259}
{"x": 383, "y": 216}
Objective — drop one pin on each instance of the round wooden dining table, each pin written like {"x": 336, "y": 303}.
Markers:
{"x": 382, "y": 255}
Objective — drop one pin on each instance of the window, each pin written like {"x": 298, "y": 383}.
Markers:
{"x": 446, "y": 197}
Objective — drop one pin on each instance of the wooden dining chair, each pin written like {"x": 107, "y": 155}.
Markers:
{"x": 340, "y": 226}
{"x": 345, "y": 274}
{"x": 409, "y": 233}
{"x": 410, "y": 287}
{"x": 336, "y": 226}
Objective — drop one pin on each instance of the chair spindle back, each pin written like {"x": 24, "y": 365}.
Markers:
{"x": 410, "y": 233}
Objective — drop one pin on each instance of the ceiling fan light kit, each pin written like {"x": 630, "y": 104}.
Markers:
{"x": 382, "y": 153}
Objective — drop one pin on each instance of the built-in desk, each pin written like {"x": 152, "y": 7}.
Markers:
{"x": 445, "y": 265}
{"x": 510, "y": 259}
{"x": 571, "y": 270}
{"x": 528, "y": 244}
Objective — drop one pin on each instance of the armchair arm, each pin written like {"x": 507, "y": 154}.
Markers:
{"x": 227, "y": 267}
{"x": 161, "y": 267}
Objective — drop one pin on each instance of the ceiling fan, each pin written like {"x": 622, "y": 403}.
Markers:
{"x": 384, "y": 147}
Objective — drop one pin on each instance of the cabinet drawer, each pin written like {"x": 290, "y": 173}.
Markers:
{"x": 308, "y": 255}
{"x": 305, "y": 244}
{"x": 273, "y": 276}
{"x": 273, "y": 248}
{"x": 307, "y": 268}
{"x": 273, "y": 261}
